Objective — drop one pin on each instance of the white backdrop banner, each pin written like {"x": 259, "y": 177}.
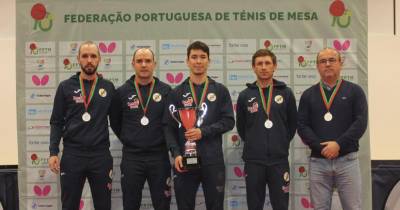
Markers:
{"x": 49, "y": 34}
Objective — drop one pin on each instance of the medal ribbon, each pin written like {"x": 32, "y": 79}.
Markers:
{"x": 140, "y": 95}
{"x": 328, "y": 103}
{"x": 86, "y": 100}
{"x": 203, "y": 93}
{"x": 266, "y": 102}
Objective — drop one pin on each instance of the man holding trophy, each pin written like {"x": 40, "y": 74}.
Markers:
{"x": 200, "y": 111}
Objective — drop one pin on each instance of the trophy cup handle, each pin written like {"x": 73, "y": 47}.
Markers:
{"x": 173, "y": 110}
{"x": 203, "y": 110}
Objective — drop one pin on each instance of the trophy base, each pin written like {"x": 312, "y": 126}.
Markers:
{"x": 191, "y": 162}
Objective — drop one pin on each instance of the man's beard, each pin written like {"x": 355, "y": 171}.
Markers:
{"x": 89, "y": 70}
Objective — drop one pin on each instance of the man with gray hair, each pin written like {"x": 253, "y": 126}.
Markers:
{"x": 332, "y": 118}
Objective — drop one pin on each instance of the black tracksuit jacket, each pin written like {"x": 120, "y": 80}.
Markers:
{"x": 79, "y": 137}
{"x": 262, "y": 145}
{"x": 140, "y": 142}
{"x": 218, "y": 120}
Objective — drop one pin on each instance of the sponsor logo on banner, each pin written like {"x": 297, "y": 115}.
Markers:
{"x": 41, "y": 204}
{"x": 240, "y": 46}
{"x": 176, "y": 78}
{"x": 41, "y": 175}
{"x": 239, "y": 172}
{"x": 238, "y": 62}
{"x": 276, "y": 45}
{"x": 343, "y": 45}
{"x": 37, "y": 143}
{"x": 168, "y": 62}
{"x": 240, "y": 77}
{"x": 42, "y": 190}
{"x": 307, "y": 45}
{"x": 305, "y": 77}
{"x": 340, "y": 14}
{"x": 40, "y": 49}
{"x": 215, "y": 45}
{"x": 70, "y": 64}
{"x": 38, "y": 112}
{"x": 133, "y": 45}
{"x": 234, "y": 140}
{"x": 350, "y": 75}
{"x": 305, "y": 61}
{"x": 39, "y": 96}
{"x": 43, "y": 19}
{"x": 38, "y": 159}
{"x": 301, "y": 171}
{"x": 216, "y": 75}
{"x": 107, "y": 48}
{"x": 38, "y": 80}
{"x": 173, "y": 46}
{"x": 306, "y": 203}
{"x": 237, "y": 188}
{"x": 69, "y": 48}
{"x": 40, "y": 64}
{"x": 38, "y": 127}
{"x": 238, "y": 203}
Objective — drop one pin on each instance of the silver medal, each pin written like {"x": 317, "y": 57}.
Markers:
{"x": 144, "y": 121}
{"x": 328, "y": 117}
{"x": 86, "y": 117}
{"x": 268, "y": 124}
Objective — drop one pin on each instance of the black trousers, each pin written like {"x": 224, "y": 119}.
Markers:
{"x": 211, "y": 177}
{"x": 277, "y": 178}
{"x": 74, "y": 172}
{"x": 9, "y": 189}
{"x": 134, "y": 174}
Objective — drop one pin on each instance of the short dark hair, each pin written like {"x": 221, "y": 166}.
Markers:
{"x": 198, "y": 45}
{"x": 262, "y": 53}
{"x": 88, "y": 43}
{"x": 145, "y": 48}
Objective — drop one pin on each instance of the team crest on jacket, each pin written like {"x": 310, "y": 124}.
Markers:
{"x": 157, "y": 97}
{"x": 253, "y": 107}
{"x": 211, "y": 97}
{"x": 102, "y": 92}
{"x": 187, "y": 100}
{"x": 278, "y": 99}
{"x": 78, "y": 99}
{"x": 133, "y": 102}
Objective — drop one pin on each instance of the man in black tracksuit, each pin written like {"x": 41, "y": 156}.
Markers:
{"x": 266, "y": 122}
{"x": 79, "y": 116}
{"x": 139, "y": 106}
{"x": 195, "y": 90}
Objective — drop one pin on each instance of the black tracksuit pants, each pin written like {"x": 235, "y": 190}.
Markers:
{"x": 212, "y": 178}
{"x": 277, "y": 178}
{"x": 134, "y": 174}
{"x": 75, "y": 170}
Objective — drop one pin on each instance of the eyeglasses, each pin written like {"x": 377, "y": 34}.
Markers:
{"x": 329, "y": 60}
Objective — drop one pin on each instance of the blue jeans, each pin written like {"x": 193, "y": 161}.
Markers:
{"x": 342, "y": 173}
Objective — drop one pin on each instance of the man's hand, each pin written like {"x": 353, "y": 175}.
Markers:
{"x": 179, "y": 164}
{"x": 54, "y": 164}
{"x": 193, "y": 134}
{"x": 331, "y": 149}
